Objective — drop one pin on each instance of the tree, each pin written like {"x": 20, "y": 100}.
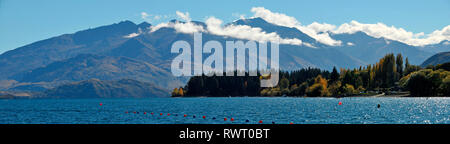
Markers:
{"x": 427, "y": 82}
{"x": 175, "y": 92}
{"x": 388, "y": 70}
{"x": 418, "y": 84}
{"x": 300, "y": 90}
{"x": 407, "y": 63}
{"x": 445, "y": 86}
{"x": 399, "y": 62}
{"x": 316, "y": 90}
{"x": 181, "y": 92}
{"x": 334, "y": 75}
{"x": 333, "y": 88}
{"x": 284, "y": 83}
{"x": 348, "y": 89}
{"x": 444, "y": 66}
{"x": 319, "y": 88}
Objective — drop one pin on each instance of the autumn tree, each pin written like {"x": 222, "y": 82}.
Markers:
{"x": 319, "y": 88}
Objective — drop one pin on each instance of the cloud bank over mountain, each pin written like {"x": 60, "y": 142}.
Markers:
{"x": 319, "y": 31}
{"x": 288, "y": 21}
{"x": 391, "y": 32}
{"x": 246, "y": 32}
{"x": 214, "y": 26}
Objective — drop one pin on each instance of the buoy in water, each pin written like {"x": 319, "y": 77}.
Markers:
{"x": 232, "y": 119}
{"x": 340, "y": 103}
{"x": 204, "y": 117}
{"x": 214, "y": 118}
{"x": 247, "y": 121}
{"x": 145, "y": 112}
{"x": 185, "y": 115}
{"x": 126, "y": 112}
{"x": 168, "y": 114}
{"x": 151, "y": 113}
{"x": 193, "y": 116}
{"x": 260, "y": 121}
{"x": 291, "y": 123}
{"x": 160, "y": 113}
{"x": 134, "y": 112}
{"x": 378, "y": 106}
{"x": 100, "y": 104}
{"x": 273, "y": 122}
{"x": 224, "y": 119}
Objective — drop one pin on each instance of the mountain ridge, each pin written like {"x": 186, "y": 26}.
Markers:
{"x": 439, "y": 58}
{"x": 151, "y": 49}
{"x": 88, "y": 66}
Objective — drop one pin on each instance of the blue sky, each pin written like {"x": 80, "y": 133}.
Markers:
{"x": 26, "y": 21}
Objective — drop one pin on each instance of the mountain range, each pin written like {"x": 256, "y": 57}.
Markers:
{"x": 440, "y": 58}
{"x": 126, "y": 50}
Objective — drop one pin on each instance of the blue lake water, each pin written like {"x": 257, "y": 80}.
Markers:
{"x": 280, "y": 110}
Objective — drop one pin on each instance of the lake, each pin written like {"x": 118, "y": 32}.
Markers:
{"x": 244, "y": 110}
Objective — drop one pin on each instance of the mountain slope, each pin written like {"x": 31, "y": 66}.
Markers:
{"x": 284, "y": 32}
{"x": 439, "y": 58}
{"x": 88, "y": 66}
{"x": 94, "y": 88}
{"x": 43, "y": 52}
{"x": 370, "y": 49}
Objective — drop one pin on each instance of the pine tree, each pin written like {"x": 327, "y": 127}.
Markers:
{"x": 399, "y": 62}
{"x": 334, "y": 75}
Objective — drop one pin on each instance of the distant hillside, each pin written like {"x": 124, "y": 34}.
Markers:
{"x": 65, "y": 46}
{"x": 94, "y": 88}
{"x": 370, "y": 49}
{"x": 439, "y": 58}
{"x": 88, "y": 66}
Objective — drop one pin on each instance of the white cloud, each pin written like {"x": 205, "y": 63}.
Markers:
{"x": 184, "y": 16}
{"x": 183, "y": 27}
{"x": 288, "y": 21}
{"x": 318, "y": 27}
{"x": 131, "y": 35}
{"x": 157, "y": 27}
{"x": 246, "y": 32}
{"x": 446, "y": 43}
{"x": 187, "y": 27}
{"x": 319, "y": 31}
{"x": 238, "y": 15}
{"x": 214, "y": 26}
{"x": 157, "y": 17}
{"x": 379, "y": 30}
{"x": 151, "y": 18}
{"x": 350, "y": 44}
{"x": 275, "y": 18}
{"x": 144, "y": 15}
{"x": 434, "y": 37}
